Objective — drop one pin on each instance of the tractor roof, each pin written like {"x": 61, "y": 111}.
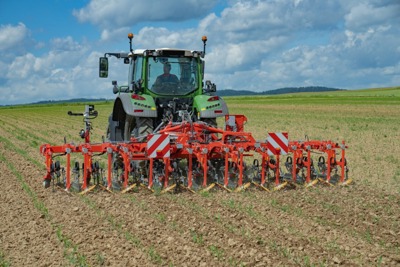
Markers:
{"x": 168, "y": 52}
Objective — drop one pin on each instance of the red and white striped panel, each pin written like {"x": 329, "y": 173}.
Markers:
{"x": 277, "y": 143}
{"x": 158, "y": 146}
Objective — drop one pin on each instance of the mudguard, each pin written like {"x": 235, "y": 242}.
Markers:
{"x": 138, "y": 107}
{"x": 210, "y": 106}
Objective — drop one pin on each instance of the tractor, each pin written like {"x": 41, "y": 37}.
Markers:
{"x": 162, "y": 134}
{"x": 163, "y": 85}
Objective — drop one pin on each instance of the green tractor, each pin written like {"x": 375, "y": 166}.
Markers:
{"x": 164, "y": 85}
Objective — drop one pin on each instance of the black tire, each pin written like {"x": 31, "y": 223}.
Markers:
{"x": 128, "y": 127}
{"x": 137, "y": 127}
{"x": 144, "y": 126}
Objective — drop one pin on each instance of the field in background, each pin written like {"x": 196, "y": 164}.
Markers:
{"x": 358, "y": 225}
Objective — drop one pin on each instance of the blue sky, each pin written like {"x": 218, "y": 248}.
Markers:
{"x": 49, "y": 49}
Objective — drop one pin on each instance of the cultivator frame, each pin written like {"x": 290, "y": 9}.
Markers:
{"x": 195, "y": 156}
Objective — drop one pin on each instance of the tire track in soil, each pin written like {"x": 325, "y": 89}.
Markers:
{"x": 96, "y": 240}
{"x": 24, "y": 235}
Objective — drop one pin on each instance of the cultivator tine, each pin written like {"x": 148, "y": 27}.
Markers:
{"x": 261, "y": 187}
{"x": 129, "y": 188}
{"x": 223, "y": 187}
{"x": 190, "y": 168}
{"x": 242, "y": 187}
{"x": 109, "y": 167}
{"x": 87, "y": 190}
{"x": 168, "y": 189}
{"x": 311, "y": 183}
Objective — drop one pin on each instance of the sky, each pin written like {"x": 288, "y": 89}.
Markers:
{"x": 49, "y": 50}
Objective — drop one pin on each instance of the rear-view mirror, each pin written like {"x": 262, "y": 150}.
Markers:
{"x": 103, "y": 67}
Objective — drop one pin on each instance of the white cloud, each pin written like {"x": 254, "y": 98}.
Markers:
{"x": 68, "y": 70}
{"x": 115, "y": 17}
{"x": 120, "y": 13}
{"x": 21, "y": 67}
{"x": 364, "y": 15}
{"x": 114, "y": 34}
{"x": 11, "y": 36}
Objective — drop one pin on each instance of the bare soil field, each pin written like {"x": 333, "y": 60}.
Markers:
{"x": 358, "y": 225}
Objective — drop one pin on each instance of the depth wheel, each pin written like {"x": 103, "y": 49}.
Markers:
{"x": 46, "y": 183}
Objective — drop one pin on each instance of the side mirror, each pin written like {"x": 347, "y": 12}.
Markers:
{"x": 103, "y": 67}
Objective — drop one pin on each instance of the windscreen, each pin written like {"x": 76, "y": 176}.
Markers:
{"x": 172, "y": 75}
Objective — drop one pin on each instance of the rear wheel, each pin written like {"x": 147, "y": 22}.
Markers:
{"x": 144, "y": 126}
{"x": 128, "y": 127}
{"x": 137, "y": 127}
